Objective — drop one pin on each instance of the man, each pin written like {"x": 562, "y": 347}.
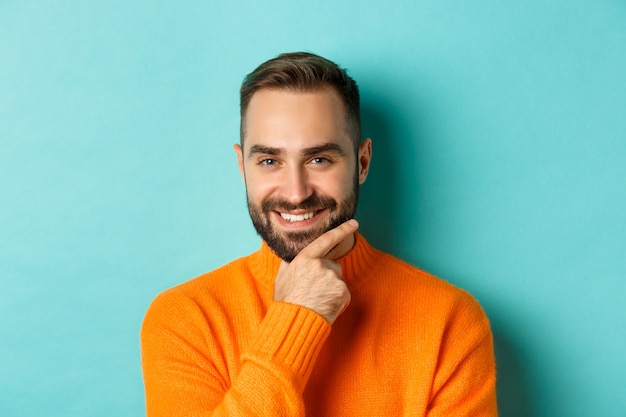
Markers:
{"x": 316, "y": 322}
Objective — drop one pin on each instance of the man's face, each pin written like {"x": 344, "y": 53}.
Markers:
{"x": 299, "y": 166}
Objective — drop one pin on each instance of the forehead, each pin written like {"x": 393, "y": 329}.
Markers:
{"x": 295, "y": 119}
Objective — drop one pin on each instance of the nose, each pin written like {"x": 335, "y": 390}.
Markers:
{"x": 296, "y": 186}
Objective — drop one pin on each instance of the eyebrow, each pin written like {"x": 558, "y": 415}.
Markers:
{"x": 265, "y": 150}
{"x": 326, "y": 147}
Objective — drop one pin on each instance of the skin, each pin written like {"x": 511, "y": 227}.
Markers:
{"x": 297, "y": 146}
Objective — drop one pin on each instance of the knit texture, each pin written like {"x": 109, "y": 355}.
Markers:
{"x": 409, "y": 344}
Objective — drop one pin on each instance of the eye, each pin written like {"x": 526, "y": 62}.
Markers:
{"x": 318, "y": 160}
{"x": 268, "y": 162}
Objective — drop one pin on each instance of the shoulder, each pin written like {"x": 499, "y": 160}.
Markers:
{"x": 209, "y": 292}
{"x": 422, "y": 292}
{"x": 407, "y": 276}
{"x": 452, "y": 315}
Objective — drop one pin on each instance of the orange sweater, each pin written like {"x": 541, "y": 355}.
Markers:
{"x": 409, "y": 344}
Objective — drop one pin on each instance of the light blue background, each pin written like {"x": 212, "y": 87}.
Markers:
{"x": 499, "y": 133}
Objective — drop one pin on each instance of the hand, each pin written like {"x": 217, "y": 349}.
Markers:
{"x": 314, "y": 281}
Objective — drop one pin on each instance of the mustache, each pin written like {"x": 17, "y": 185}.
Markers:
{"x": 312, "y": 202}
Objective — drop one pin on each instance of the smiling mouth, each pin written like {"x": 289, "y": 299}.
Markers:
{"x": 291, "y": 218}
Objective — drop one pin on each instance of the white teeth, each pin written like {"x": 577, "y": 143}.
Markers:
{"x": 297, "y": 217}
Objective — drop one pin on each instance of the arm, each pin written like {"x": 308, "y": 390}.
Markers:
{"x": 465, "y": 380}
{"x": 186, "y": 373}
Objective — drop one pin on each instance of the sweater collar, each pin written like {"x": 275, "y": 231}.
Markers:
{"x": 354, "y": 265}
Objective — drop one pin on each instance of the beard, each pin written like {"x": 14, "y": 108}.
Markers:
{"x": 286, "y": 245}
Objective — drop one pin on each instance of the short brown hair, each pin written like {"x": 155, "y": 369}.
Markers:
{"x": 303, "y": 71}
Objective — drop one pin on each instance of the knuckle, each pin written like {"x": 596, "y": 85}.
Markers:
{"x": 316, "y": 263}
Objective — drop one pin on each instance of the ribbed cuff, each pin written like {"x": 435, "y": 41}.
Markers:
{"x": 290, "y": 339}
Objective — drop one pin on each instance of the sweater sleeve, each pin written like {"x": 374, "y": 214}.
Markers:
{"x": 465, "y": 380}
{"x": 186, "y": 370}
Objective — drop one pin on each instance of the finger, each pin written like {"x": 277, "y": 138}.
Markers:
{"x": 326, "y": 242}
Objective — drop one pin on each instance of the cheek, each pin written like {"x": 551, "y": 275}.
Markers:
{"x": 258, "y": 188}
{"x": 336, "y": 184}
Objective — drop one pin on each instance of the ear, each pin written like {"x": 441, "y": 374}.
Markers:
{"x": 364, "y": 159}
{"x": 239, "y": 153}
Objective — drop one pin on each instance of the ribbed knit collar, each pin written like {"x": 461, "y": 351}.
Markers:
{"x": 354, "y": 265}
